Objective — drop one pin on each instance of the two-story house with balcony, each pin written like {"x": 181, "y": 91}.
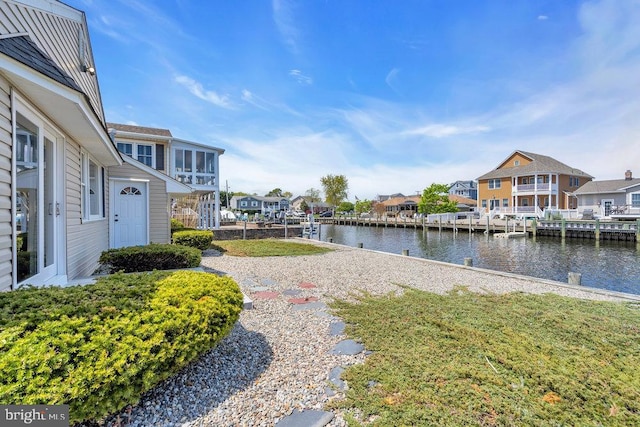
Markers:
{"x": 527, "y": 183}
{"x": 161, "y": 169}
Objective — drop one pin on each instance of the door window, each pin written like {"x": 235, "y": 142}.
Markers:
{"x": 35, "y": 199}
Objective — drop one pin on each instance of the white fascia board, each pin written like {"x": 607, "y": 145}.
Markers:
{"x": 66, "y": 107}
{"x": 184, "y": 143}
{"x": 172, "y": 185}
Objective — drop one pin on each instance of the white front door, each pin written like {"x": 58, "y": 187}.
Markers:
{"x": 129, "y": 214}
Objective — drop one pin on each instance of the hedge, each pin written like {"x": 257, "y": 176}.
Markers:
{"x": 156, "y": 256}
{"x": 129, "y": 333}
{"x": 200, "y": 239}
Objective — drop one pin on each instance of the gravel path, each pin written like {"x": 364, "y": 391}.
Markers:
{"x": 278, "y": 356}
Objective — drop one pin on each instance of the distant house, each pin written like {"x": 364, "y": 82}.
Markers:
{"x": 526, "y": 183}
{"x": 383, "y": 197}
{"x": 615, "y": 198}
{"x": 468, "y": 189}
{"x": 318, "y": 207}
{"x": 401, "y": 206}
{"x": 259, "y": 204}
{"x": 160, "y": 169}
{"x": 464, "y": 204}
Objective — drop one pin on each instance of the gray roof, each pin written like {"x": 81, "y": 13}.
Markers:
{"x": 23, "y": 50}
{"x": 140, "y": 129}
{"x": 607, "y": 186}
{"x": 539, "y": 164}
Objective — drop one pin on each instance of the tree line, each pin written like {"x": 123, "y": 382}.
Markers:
{"x": 434, "y": 199}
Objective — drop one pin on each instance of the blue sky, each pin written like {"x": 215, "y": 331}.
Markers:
{"x": 395, "y": 95}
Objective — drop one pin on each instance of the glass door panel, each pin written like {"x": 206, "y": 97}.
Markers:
{"x": 27, "y": 198}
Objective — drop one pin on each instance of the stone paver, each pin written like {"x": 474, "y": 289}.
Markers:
{"x": 306, "y": 419}
{"x": 266, "y": 295}
{"x": 315, "y": 305}
{"x": 304, "y": 300}
{"x": 349, "y": 347}
{"x": 336, "y": 328}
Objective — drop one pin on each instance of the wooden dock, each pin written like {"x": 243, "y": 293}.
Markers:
{"x": 582, "y": 229}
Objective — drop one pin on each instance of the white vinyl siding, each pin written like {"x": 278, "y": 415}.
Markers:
{"x": 6, "y": 245}
{"x": 82, "y": 252}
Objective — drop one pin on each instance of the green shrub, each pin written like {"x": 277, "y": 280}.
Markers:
{"x": 155, "y": 256}
{"x": 200, "y": 239}
{"x": 129, "y": 333}
{"x": 176, "y": 225}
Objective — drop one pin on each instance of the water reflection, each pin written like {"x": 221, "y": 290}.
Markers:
{"x": 608, "y": 265}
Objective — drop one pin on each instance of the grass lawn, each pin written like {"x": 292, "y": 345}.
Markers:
{"x": 267, "y": 247}
{"x": 492, "y": 360}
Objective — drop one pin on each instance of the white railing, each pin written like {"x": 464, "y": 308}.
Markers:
{"x": 531, "y": 188}
{"x": 517, "y": 211}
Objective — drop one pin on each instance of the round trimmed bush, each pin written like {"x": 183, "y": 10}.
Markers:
{"x": 200, "y": 239}
{"x": 123, "y": 340}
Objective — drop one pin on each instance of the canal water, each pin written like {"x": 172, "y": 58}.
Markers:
{"x": 608, "y": 265}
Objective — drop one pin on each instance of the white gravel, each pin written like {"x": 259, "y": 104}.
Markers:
{"x": 277, "y": 358}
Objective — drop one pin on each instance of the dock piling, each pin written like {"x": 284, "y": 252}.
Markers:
{"x": 575, "y": 278}
{"x": 468, "y": 262}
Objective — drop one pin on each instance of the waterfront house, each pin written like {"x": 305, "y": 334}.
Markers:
{"x": 55, "y": 151}
{"x": 527, "y": 183}
{"x": 317, "y": 207}
{"x": 614, "y": 198}
{"x": 400, "y": 206}
{"x": 162, "y": 170}
{"x": 464, "y": 204}
{"x": 383, "y": 197}
{"x": 260, "y": 204}
{"x": 467, "y": 189}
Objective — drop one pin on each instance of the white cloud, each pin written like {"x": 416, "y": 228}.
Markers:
{"x": 443, "y": 130}
{"x": 283, "y": 16}
{"x": 300, "y": 78}
{"x": 195, "y": 88}
{"x": 542, "y": 17}
{"x": 391, "y": 78}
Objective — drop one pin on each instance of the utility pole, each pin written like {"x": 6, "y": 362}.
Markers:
{"x": 226, "y": 191}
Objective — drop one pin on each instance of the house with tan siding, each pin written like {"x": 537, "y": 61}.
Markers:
{"x": 66, "y": 193}
{"x": 55, "y": 152}
{"x": 526, "y": 184}
{"x": 159, "y": 171}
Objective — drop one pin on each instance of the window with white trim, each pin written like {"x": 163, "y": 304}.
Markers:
{"x": 144, "y": 153}
{"x": 483, "y": 203}
{"x": 92, "y": 189}
{"x": 125, "y": 148}
{"x": 635, "y": 200}
{"x": 494, "y": 184}
{"x": 574, "y": 181}
{"x": 194, "y": 166}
